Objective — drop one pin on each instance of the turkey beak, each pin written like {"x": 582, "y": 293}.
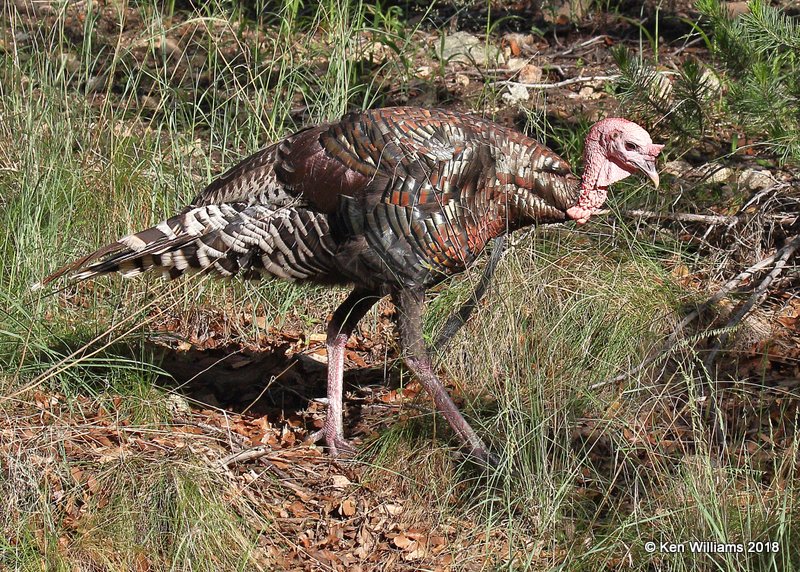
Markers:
{"x": 648, "y": 167}
{"x": 646, "y": 162}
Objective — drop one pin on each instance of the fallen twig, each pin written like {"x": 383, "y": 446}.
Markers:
{"x": 558, "y": 84}
{"x": 258, "y": 452}
{"x": 781, "y": 219}
{"x": 509, "y": 73}
{"x": 585, "y": 44}
{"x": 687, "y": 45}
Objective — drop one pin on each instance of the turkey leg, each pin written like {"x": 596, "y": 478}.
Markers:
{"x": 341, "y": 325}
{"x": 410, "y": 304}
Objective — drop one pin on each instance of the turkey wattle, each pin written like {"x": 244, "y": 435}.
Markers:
{"x": 390, "y": 201}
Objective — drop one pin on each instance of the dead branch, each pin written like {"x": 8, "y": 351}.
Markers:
{"x": 585, "y": 44}
{"x": 509, "y": 73}
{"x": 793, "y": 243}
{"x": 755, "y": 298}
{"x": 558, "y": 84}
{"x": 777, "y": 218}
{"x": 779, "y": 259}
{"x": 258, "y": 452}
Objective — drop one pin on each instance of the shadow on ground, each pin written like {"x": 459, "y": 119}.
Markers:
{"x": 258, "y": 381}
{"x": 274, "y": 381}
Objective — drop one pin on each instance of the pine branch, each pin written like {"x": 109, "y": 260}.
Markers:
{"x": 760, "y": 51}
{"x": 681, "y": 100}
{"x": 771, "y": 30}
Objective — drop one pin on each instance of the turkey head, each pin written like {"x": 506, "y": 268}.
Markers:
{"x": 615, "y": 149}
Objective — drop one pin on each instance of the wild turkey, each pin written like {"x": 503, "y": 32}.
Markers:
{"x": 391, "y": 201}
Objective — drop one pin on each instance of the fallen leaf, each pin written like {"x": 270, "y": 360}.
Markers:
{"x": 348, "y": 507}
{"x": 393, "y": 509}
{"x": 355, "y": 358}
{"x": 340, "y": 482}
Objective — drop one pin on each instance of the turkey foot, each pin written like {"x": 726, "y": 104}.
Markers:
{"x": 337, "y": 446}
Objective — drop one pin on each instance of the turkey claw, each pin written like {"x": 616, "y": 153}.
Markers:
{"x": 338, "y": 447}
{"x": 482, "y": 457}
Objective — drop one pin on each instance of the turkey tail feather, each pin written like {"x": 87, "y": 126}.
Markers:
{"x": 286, "y": 242}
{"x": 78, "y": 264}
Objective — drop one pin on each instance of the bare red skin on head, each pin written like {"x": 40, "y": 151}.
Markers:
{"x": 601, "y": 171}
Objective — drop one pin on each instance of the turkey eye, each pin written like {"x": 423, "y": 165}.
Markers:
{"x": 630, "y": 146}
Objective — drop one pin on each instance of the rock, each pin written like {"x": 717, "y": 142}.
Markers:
{"x": 720, "y": 175}
{"x": 462, "y": 79}
{"x": 588, "y": 92}
{"x": 710, "y": 84}
{"x": 712, "y": 173}
{"x": 70, "y": 62}
{"x": 530, "y": 74}
{"x": 170, "y": 47}
{"x": 525, "y": 72}
{"x": 424, "y": 72}
{"x": 463, "y": 47}
{"x": 516, "y": 93}
{"x": 96, "y": 83}
{"x": 149, "y": 102}
{"x": 516, "y": 45}
{"x": 754, "y": 180}
{"x": 165, "y": 45}
{"x": 377, "y": 53}
{"x": 29, "y": 8}
{"x": 735, "y": 9}
{"x": 516, "y": 64}
{"x": 677, "y": 168}
{"x": 566, "y": 11}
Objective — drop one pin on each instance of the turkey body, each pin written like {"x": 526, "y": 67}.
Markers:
{"x": 390, "y": 201}
{"x": 395, "y": 197}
